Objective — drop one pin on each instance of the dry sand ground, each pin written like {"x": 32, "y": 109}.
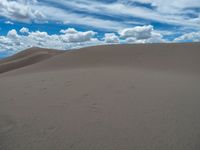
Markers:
{"x": 120, "y": 97}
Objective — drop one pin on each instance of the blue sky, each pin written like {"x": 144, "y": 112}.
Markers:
{"x": 72, "y": 24}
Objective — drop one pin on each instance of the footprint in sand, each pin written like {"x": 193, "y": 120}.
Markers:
{"x": 68, "y": 83}
{"x": 86, "y": 95}
{"x": 44, "y": 89}
{"x": 6, "y": 124}
{"x": 94, "y": 107}
{"x": 48, "y": 132}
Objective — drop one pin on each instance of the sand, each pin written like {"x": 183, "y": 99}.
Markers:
{"x": 116, "y": 97}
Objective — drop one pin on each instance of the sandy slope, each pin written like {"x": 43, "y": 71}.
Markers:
{"x": 25, "y": 58}
{"x": 127, "y": 97}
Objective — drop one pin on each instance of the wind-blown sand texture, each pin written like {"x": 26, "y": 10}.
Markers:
{"x": 116, "y": 97}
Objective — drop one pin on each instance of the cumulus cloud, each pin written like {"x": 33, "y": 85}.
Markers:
{"x": 73, "y": 36}
{"x": 19, "y": 11}
{"x": 111, "y": 38}
{"x": 24, "y": 30}
{"x": 69, "y": 30}
{"x": 12, "y": 34}
{"x": 155, "y": 38}
{"x": 191, "y": 37}
{"x": 139, "y": 32}
{"x": 14, "y": 41}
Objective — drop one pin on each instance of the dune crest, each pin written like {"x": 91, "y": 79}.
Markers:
{"x": 26, "y": 57}
{"x": 182, "y": 57}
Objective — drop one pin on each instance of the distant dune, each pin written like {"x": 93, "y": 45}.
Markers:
{"x": 26, "y": 57}
{"x": 176, "y": 57}
{"x": 114, "y": 97}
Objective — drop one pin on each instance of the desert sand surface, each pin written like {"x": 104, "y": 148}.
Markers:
{"x": 114, "y": 97}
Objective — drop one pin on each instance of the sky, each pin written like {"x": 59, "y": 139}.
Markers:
{"x": 72, "y": 24}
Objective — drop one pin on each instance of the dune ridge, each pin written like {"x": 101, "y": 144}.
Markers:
{"x": 176, "y": 57}
{"x": 26, "y": 57}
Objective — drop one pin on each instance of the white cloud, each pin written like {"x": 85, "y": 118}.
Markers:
{"x": 156, "y": 37}
{"x": 73, "y": 36}
{"x": 24, "y": 30}
{"x": 19, "y": 11}
{"x": 165, "y": 11}
{"x": 55, "y": 14}
{"x": 193, "y": 36}
{"x": 111, "y": 38}
{"x": 8, "y": 22}
{"x": 69, "y": 30}
{"x": 14, "y": 42}
{"x": 12, "y": 34}
{"x": 139, "y": 32}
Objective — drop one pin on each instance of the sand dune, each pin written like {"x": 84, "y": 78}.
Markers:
{"x": 166, "y": 57}
{"x": 116, "y": 97}
{"x": 25, "y": 58}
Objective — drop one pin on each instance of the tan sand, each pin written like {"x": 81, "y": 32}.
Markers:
{"x": 117, "y": 97}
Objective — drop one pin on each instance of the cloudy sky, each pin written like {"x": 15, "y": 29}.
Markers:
{"x": 67, "y": 24}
